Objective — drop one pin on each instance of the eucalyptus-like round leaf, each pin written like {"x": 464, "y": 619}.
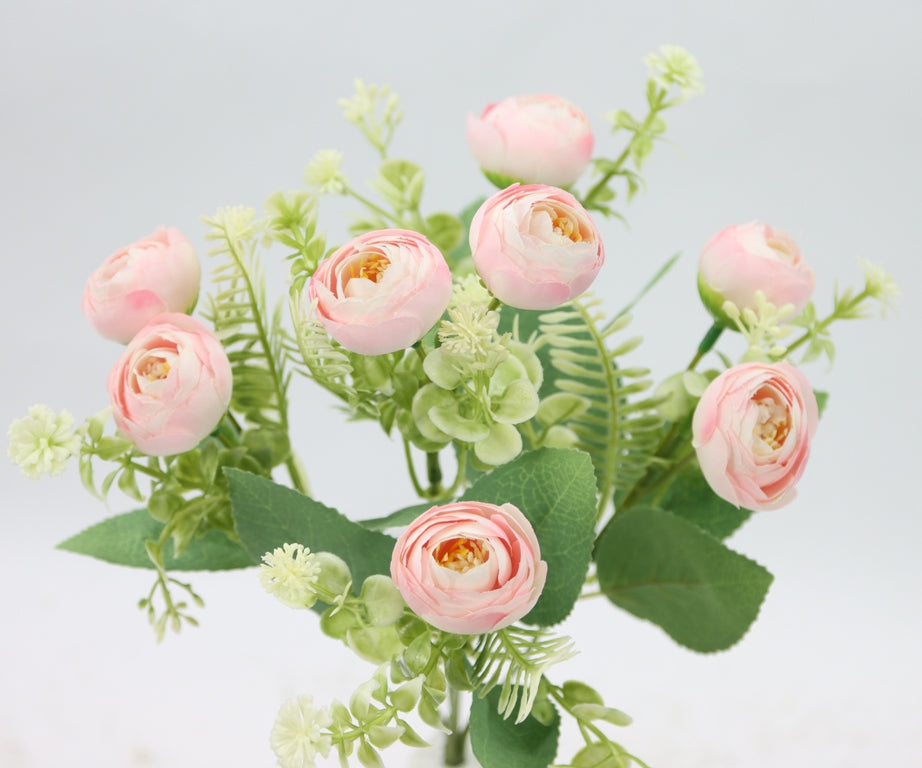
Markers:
{"x": 525, "y": 354}
{"x": 427, "y": 398}
{"x": 374, "y": 644}
{"x": 559, "y": 407}
{"x": 451, "y": 422}
{"x": 518, "y": 403}
{"x": 440, "y": 367}
{"x": 560, "y": 437}
{"x": 335, "y": 576}
{"x": 383, "y": 601}
{"x": 503, "y": 444}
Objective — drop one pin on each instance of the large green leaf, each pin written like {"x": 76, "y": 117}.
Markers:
{"x": 555, "y": 489}
{"x": 689, "y": 496}
{"x": 499, "y": 743}
{"x": 120, "y": 540}
{"x": 667, "y": 570}
{"x": 268, "y": 515}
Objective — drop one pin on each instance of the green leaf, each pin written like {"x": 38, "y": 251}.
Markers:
{"x": 444, "y": 230}
{"x": 499, "y": 743}
{"x": 555, "y": 489}
{"x": 689, "y": 496}
{"x": 268, "y": 515}
{"x": 399, "y": 518}
{"x": 120, "y": 540}
{"x": 667, "y": 570}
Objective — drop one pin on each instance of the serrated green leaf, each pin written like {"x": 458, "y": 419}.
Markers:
{"x": 690, "y": 497}
{"x": 499, "y": 743}
{"x": 268, "y": 515}
{"x": 667, "y": 570}
{"x": 555, "y": 489}
{"x": 120, "y": 540}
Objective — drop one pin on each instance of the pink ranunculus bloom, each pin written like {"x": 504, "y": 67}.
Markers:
{"x": 157, "y": 274}
{"x": 743, "y": 259}
{"x": 382, "y": 291}
{"x": 171, "y": 385}
{"x": 535, "y": 246}
{"x": 752, "y": 430}
{"x": 539, "y": 139}
{"x": 469, "y": 567}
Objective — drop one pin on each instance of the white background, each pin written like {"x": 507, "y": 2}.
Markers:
{"x": 117, "y": 117}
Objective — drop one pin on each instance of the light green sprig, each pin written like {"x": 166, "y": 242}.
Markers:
{"x": 375, "y": 111}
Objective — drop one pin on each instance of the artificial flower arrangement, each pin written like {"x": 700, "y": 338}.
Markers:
{"x": 472, "y": 340}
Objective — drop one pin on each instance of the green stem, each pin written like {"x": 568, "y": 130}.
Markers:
{"x": 707, "y": 343}
{"x": 827, "y": 321}
{"x": 601, "y": 184}
{"x": 434, "y": 474}
{"x": 297, "y": 474}
{"x": 374, "y": 207}
{"x": 461, "y": 476}
{"x": 412, "y": 470}
{"x": 456, "y": 740}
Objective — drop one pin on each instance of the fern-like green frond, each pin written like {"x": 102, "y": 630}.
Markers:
{"x": 254, "y": 339}
{"x": 326, "y": 362}
{"x": 517, "y": 658}
{"x": 619, "y": 431}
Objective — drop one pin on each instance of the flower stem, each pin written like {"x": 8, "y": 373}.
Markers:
{"x": 456, "y": 740}
{"x": 434, "y": 474}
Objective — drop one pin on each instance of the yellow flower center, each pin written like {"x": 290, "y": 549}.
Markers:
{"x": 566, "y": 227}
{"x": 371, "y": 267}
{"x": 461, "y": 554}
{"x": 773, "y": 423}
{"x": 154, "y": 369}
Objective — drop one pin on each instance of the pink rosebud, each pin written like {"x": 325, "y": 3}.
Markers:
{"x": 158, "y": 274}
{"x": 752, "y": 430}
{"x": 534, "y": 139}
{"x": 382, "y": 291}
{"x": 171, "y": 385}
{"x": 535, "y": 246}
{"x": 469, "y": 567}
{"x": 740, "y": 260}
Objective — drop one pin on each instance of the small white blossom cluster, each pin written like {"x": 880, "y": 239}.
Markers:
{"x": 675, "y": 66}
{"x": 290, "y": 573}
{"x": 324, "y": 174}
{"x": 297, "y": 736}
{"x": 43, "y": 441}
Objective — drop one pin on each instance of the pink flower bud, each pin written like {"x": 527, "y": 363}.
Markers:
{"x": 743, "y": 259}
{"x": 469, "y": 567}
{"x": 533, "y": 139}
{"x": 158, "y": 274}
{"x": 382, "y": 291}
{"x": 535, "y": 246}
{"x": 171, "y": 386}
{"x": 752, "y": 430}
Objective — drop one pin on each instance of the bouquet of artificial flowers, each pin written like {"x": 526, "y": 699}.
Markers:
{"x": 547, "y": 465}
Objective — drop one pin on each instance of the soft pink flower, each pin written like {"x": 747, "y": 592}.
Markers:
{"x": 535, "y": 246}
{"x": 158, "y": 274}
{"x": 752, "y": 430}
{"x": 743, "y": 259}
{"x": 171, "y": 385}
{"x": 534, "y": 139}
{"x": 382, "y": 291}
{"x": 469, "y": 567}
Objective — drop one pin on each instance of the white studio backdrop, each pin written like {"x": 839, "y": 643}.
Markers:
{"x": 117, "y": 117}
